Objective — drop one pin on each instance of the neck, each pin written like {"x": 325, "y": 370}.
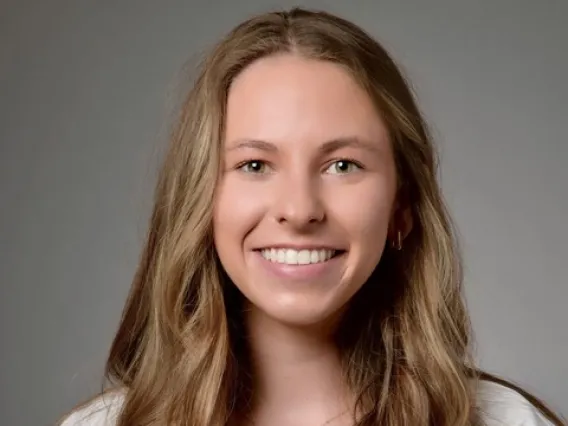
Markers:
{"x": 297, "y": 372}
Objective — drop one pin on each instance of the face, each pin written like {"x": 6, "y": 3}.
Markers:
{"x": 307, "y": 190}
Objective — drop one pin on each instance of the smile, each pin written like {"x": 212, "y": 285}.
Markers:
{"x": 289, "y": 256}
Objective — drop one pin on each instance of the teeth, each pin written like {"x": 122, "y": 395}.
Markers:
{"x": 297, "y": 257}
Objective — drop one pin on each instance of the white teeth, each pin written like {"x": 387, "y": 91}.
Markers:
{"x": 291, "y": 257}
{"x": 304, "y": 257}
{"x": 297, "y": 257}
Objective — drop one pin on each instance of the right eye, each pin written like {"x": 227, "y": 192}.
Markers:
{"x": 253, "y": 166}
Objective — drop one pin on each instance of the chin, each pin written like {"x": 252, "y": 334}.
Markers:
{"x": 299, "y": 312}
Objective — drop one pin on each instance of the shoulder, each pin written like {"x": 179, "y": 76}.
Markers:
{"x": 502, "y": 406}
{"x": 498, "y": 405}
{"x": 100, "y": 411}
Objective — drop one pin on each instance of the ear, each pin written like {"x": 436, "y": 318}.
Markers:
{"x": 401, "y": 221}
{"x": 406, "y": 221}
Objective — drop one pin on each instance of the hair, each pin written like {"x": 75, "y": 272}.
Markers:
{"x": 405, "y": 340}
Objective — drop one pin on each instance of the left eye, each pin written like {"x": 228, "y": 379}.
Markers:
{"x": 342, "y": 167}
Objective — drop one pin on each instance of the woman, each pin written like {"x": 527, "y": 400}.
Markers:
{"x": 300, "y": 267}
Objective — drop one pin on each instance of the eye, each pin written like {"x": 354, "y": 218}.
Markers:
{"x": 253, "y": 166}
{"x": 343, "y": 167}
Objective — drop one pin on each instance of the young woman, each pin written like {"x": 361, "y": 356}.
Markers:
{"x": 300, "y": 267}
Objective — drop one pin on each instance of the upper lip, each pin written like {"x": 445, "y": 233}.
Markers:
{"x": 310, "y": 246}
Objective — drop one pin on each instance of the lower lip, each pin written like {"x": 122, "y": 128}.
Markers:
{"x": 300, "y": 272}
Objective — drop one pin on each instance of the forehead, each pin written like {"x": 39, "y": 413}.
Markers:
{"x": 290, "y": 98}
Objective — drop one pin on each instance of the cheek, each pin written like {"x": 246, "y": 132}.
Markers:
{"x": 365, "y": 213}
{"x": 236, "y": 211}
{"x": 365, "y": 216}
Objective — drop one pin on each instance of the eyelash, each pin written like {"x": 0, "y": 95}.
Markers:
{"x": 241, "y": 165}
{"x": 347, "y": 160}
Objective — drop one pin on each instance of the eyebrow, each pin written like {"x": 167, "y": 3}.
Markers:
{"x": 327, "y": 148}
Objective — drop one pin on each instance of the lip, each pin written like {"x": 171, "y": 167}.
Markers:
{"x": 300, "y": 273}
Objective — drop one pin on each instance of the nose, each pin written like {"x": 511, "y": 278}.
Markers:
{"x": 298, "y": 202}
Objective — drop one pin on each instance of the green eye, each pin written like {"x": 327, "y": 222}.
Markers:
{"x": 254, "y": 166}
{"x": 343, "y": 167}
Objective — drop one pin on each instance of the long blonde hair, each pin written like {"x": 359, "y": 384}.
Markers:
{"x": 405, "y": 339}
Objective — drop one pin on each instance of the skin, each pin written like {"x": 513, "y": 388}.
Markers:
{"x": 295, "y": 187}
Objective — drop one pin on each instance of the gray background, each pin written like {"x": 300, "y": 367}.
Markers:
{"x": 86, "y": 89}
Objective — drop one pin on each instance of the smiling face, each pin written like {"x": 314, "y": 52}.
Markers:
{"x": 307, "y": 190}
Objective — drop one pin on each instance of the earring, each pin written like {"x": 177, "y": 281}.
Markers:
{"x": 397, "y": 245}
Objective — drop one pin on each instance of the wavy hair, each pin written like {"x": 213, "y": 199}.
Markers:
{"x": 405, "y": 338}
